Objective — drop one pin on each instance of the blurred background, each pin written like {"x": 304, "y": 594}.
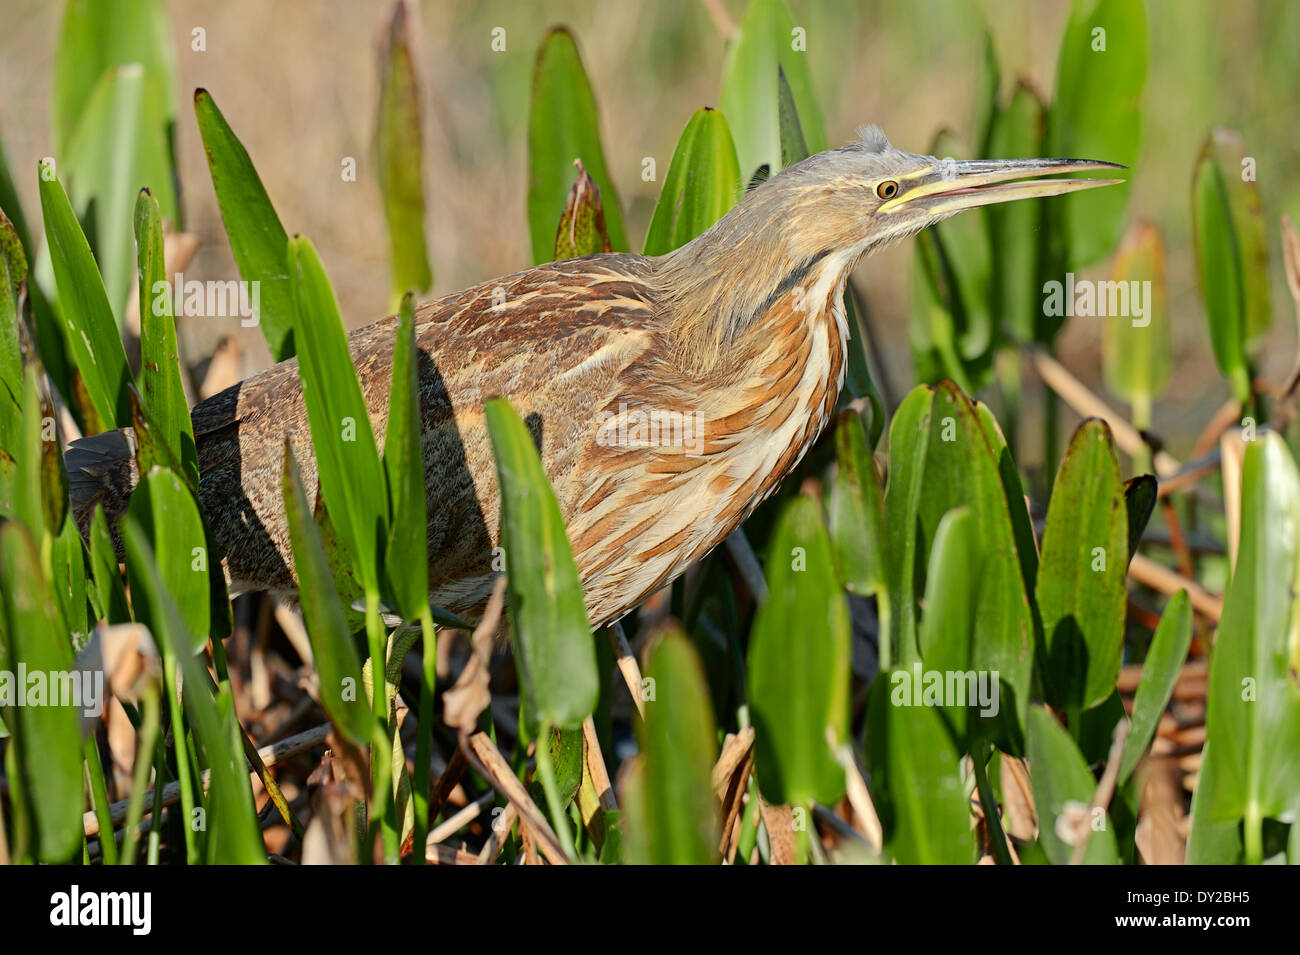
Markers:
{"x": 299, "y": 85}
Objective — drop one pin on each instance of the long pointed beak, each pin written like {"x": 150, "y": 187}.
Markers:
{"x": 966, "y": 184}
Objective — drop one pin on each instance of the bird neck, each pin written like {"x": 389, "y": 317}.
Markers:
{"x": 737, "y": 278}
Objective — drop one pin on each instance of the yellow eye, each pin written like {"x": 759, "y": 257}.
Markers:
{"x": 887, "y": 189}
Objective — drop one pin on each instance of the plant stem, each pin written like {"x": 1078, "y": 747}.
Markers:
{"x": 988, "y": 801}
{"x": 1254, "y": 834}
{"x": 177, "y": 714}
{"x": 544, "y": 769}
{"x": 424, "y": 733}
{"x": 148, "y": 736}
{"x": 99, "y": 795}
{"x": 381, "y": 748}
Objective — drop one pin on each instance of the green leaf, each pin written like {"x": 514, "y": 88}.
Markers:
{"x": 110, "y": 594}
{"x": 1140, "y": 494}
{"x": 1015, "y": 228}
{"x": 333, "y": 653}
{"x": 346, "y": 457}
{"x": 794, "y": 148}
{"x": 1164, "y": 659}
{"x": 40, "y": 495}
{"x": 562, "y": 127}
{"x": 257, "y": 239}
{"x": 91, "y": 331}
{"x": 13, "y": 272}
{"x": 232, "y": 835}
{"x": 916, "y": 778}
{"x": 47, "y": 736}
{"x": 115, "y": 150}
{"x": 582, "y": 224}
{"x": 160, "y": 375}
{"x": 96, "y": 37}
{"x": 1218, "y": 257}
{"x": 164, "y": 508}
{"x": 1060, "y": 777}
{"x": 400, "y": 154}
{"x": 703, "y": 182}
{"x": 951, "y": 588}
{"x": 406, "y": 560}
{"x": 1081, "y": 575}
{"x": 554, "y": 650}
{"x": 857, "y": 512}
{"x": 1138, "y": 351}
{"x": 800, "y": 701}
{"x": 10, "y": 206}
{"x": 671, "y": 812}
{"x": 1227, "y": 150}
{"x": 1210, "y": 842}
{"x": 1253, "y": 712}
{"x": 767, "y": 43}
{"x": 1097, "y": 114}
{"x": 945, "y": 459}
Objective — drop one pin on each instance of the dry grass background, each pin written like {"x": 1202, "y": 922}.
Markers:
{"x": 298, "y": 82}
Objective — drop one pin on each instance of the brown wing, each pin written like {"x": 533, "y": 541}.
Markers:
{"x": 553, "y": 339}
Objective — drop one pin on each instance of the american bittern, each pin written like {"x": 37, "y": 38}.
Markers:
{"x": 737, "y": 341}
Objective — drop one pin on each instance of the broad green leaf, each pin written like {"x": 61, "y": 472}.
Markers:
{"x": 95, "y": 38}
{"x": 961, "y": 469}
{"x": 703, "y": 182}
{"x": 767, "y": 42}
{"x": 347, "y": 459}
{"x": 582, "y": 224}
{"x": 1164, "y": 659}
{"x": 1015, "y": 228}
{"x": 1210, "y": 842}
{"x": 160, "y": 376}
{"x": 67, "y": 568}
{"x": 951, "y": 587}
{"x": 1081, "y": 576}
{"x": 1218, "y": 257}
{"x": 947, "y": 339}
{"x": 562, "y": 127}
{"x": 333, "y": 652}
{"x": 163, "y": 507}
{"x": 91, "y": 331}
{"x": 400, "y": 154}
{"x": 116, "y": 150}
{"x": 1097, "y": 114}
{"x": 46, "y": 732}
{"x": 257, "y": 239}
{"x": 916, "y": 777}
{"x": 1138, "y": 351}
{"x": 232, "y": 833}
{"x": 1061, "y": 780}
{"x": 406, "y": 560}
{"x": 40, "y": 482}
{"x": 857, "y": 512}
{"x": 110, "y": 594}
{"x": 800, "y": 701}
{"x": 672, "y": 814}
{"x": 909, "y": 434}
{"x": 13, "y": 272}
{"x": 1253, "y": 712}
{"x": 794, "y": 148}
{"x": 1227, "y": 150}
{"x": 552, "y": 639}
{"x": 1140, "y": 495}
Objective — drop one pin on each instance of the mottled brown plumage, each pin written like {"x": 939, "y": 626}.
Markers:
{"x": 741, "y": 333}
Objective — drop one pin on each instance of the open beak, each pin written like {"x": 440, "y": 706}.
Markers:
{"x": 953, "y": 185}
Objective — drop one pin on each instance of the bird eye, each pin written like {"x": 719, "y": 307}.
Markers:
{"x": 887, "y": 189}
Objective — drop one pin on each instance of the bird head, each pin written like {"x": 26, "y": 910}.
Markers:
{"x": 867, "y": 193}
{"x": 811, "y": 223}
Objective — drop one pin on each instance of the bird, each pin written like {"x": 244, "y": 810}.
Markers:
{"x": 668, "y": 396}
